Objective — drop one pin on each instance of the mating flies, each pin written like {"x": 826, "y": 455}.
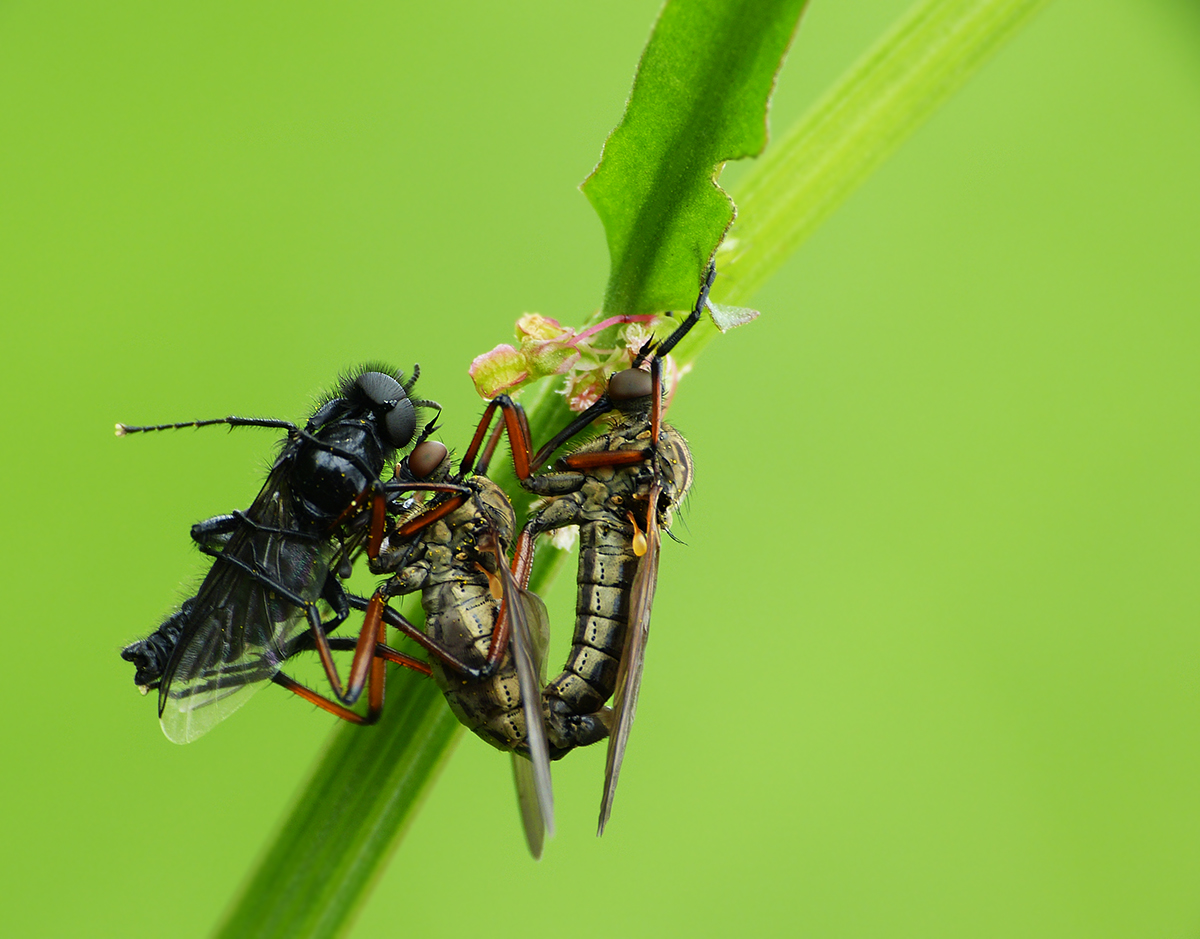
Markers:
{"x": 487, "y": 635}
{"x": 276, "y": 565}
{"x": 620, "y": 488}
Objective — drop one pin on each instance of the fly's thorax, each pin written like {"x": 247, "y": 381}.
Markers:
{"x": 494, "y": 509}
{"x": 485, "y": 519}
{"x": 396, "y": 554}
{"x": 326, "y": 482}
{"x": 445, "y": 563}
{"x": 675, "y": 471}
{"x": 595, "y": 497}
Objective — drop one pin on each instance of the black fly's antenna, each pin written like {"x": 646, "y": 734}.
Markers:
{"x": 231, "y": 421}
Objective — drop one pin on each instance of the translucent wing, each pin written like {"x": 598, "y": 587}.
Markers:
{"x": 238, "y": 628}
{"x": 629, "y": 673}
{"x": 530, "y": 629}
{"x": 527, "y": 802}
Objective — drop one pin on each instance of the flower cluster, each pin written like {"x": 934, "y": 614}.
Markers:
{"x": 545, "y": 347}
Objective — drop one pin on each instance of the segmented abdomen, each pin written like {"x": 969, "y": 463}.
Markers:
{"x": 462, "y": 614}
{"x": 607, "y": 565}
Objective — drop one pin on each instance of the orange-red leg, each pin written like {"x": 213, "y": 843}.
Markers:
{"x": 376, "y": 684}
{"x": 377, "y": 609}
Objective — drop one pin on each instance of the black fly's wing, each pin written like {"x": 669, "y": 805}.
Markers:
{"x": 530, "y": 637}
{"x": 629, "y": 673}
{"x": 238, "y": 629}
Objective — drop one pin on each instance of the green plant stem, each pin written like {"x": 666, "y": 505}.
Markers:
{"x": 805, "y": 175}
{"x": 349, "y": 815}
{"x": 367, "y": 786}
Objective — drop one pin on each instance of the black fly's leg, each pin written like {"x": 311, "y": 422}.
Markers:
{"x": 224, "y": 525}
{"x": 217, "y": 525}
{"x": 333, "y": 594}
{"x": 215, "y": 532}
{"x": 310, "y": 609}
{"x": 257, "y": 573}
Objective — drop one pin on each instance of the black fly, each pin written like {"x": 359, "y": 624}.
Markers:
{"x": 276, "y": 564}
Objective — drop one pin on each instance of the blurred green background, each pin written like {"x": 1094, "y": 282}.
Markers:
{"x": 929, "y": 662}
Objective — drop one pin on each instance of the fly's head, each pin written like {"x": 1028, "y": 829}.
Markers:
{"x": 630, "y": 392}
{"x": 428, "y": 462}
{"x": 377, "y": 400}
{"x": 381, "y": 400}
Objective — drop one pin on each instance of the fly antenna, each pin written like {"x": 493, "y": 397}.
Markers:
{"x": 231, "y": 421}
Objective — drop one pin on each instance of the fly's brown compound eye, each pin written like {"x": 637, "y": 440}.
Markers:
{"x": 425, "y": 458}
{"x": 629, "y": 384}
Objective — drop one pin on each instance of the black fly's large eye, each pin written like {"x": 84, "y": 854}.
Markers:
{"x": 390, "y": 402}
{"x": 400, "y": 422}
{"x": 380, "y": 388}
{"x": 629, "y": 384}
